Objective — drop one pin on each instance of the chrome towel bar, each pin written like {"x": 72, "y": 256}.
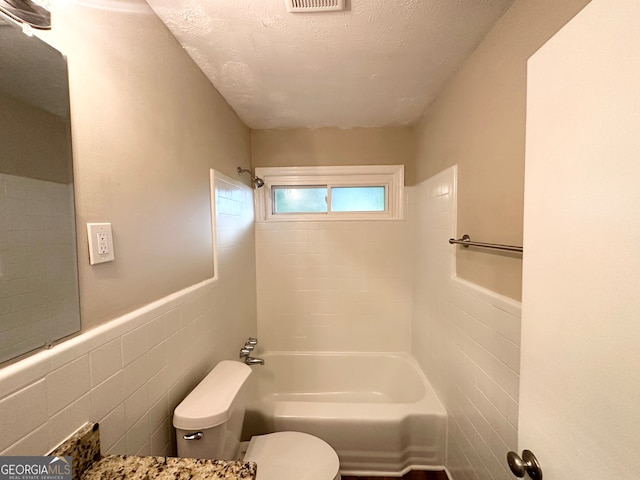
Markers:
{"x": 466, "y": 242}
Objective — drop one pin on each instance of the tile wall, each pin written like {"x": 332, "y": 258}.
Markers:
{"x": 38, "y": 271}
{"x": 334, "y": 286}
{"x": 130, "y": 373}
{"x": 465, "y": 338}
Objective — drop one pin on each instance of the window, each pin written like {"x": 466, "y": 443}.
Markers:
{"x": 330, "y": 193}
{"x": 299, "y": 199}
{"x": 358, "y": 199}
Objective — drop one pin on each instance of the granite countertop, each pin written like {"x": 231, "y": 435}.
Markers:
{"x": 120, "y": 467}
{"x": 88, "y": 464}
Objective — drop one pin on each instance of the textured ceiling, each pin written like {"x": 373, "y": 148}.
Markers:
{"x": 380, "y": 63}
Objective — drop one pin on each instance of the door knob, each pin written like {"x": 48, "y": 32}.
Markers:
{"x": 527, "y": 464}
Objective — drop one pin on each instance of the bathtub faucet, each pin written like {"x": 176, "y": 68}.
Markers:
{"x": 253, "y": 361}
{"x": 245, "y": 352}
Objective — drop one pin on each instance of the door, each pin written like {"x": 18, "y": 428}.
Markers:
{"x": 580, "y": 371}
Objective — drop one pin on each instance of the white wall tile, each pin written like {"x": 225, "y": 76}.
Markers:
{"x": 329, "y": 286}
{"x": 156, "y": 331}
{"x": 112, "y": 427}
{"x": 135, "y": 374}
{"x": 76, "y": 347}
{"x": 136, "y": 405}
{"x": 137, "y": 435}
{"x": 107, "y": 395}
{"x": 159, "y": 412}
{"x": 22, "y": 412}
{"x": 36, "y": 441}
{"x": 158, "y": 385}
{"x": 25, "y": 372}
{"x": 157, "y": 356}
{"x": 171, "y": 321}
{"x": 145, "y": 450}
{"x": 119, "y": 446}
{"x": 161, "y": 437}
{"x": 505, "y": 404}
{"x": 68, "y": 383}
{"x": 105, "y": 361}
{"x": 66, "y": 421}
{"x": 134, "y": 344}
{"x": 466, "y": 339}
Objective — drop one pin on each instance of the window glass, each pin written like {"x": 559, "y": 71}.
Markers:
{"x": 300, "y": 199}
{"x": 325, "y": 193}
{"x": 357, "y": 199}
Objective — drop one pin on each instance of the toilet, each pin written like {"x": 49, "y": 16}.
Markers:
{"x": 209, "y": 423}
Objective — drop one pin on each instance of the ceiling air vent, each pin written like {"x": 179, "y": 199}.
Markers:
{"x": 314, "y": 5}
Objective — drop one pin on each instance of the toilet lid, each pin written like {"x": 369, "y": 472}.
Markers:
{"x": 292, "y": 456}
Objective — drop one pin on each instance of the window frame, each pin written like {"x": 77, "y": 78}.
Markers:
{"x": 389, "y": 176}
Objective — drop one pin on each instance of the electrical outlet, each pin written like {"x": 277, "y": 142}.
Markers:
{"x": 100, "y": 243}
{"x": 103, "y": 245}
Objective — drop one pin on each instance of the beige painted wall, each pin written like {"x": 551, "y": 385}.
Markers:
{"x": 478, "y": 123}
{"x": 334, "y": 146}
{"x": 147, "y": 126}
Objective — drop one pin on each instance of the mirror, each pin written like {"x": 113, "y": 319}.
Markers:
{"x": 39, "y": 299}
{"x": 26, "y": 11}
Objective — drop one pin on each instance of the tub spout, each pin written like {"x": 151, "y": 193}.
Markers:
{"x": 253, "y": 361}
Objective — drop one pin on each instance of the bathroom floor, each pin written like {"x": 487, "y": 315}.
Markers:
{"x": 413, "y": 475}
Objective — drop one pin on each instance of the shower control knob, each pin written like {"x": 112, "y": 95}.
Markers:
{"x": 527, "y": 464}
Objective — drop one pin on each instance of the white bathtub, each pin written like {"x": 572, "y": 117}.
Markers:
{"x": 376, "y": 410}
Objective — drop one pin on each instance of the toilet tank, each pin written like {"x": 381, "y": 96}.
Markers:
{"x": 209, "y": 420}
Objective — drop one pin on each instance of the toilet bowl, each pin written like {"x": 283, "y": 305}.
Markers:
{"x": 208, "y": 424}
{"x": 293, "y": 455}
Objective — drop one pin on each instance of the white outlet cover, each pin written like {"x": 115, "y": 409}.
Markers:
{"x": 100, "y": 251}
